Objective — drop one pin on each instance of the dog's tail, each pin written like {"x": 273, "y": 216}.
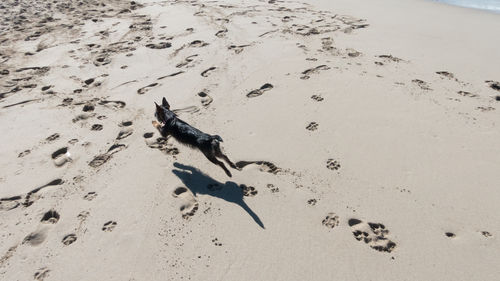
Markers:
{"x": 217, "y": 137}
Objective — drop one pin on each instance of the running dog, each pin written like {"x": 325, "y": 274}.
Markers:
{"x": 209, "y": 145}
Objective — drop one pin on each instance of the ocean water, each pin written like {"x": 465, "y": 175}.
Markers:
{"x": 491, "y": 5}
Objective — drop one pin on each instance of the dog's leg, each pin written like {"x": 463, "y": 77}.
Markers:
{"x": 219, "y": 153}
{"x": 214, "y": 160}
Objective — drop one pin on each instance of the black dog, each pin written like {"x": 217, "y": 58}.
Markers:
{"x": 186, "y": 134}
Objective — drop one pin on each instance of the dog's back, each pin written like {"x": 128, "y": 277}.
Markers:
{"x": 187, "y": 134}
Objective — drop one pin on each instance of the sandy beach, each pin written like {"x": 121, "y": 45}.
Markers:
{"x": 367, "y": 135}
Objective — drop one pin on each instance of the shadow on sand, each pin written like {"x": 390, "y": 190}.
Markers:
{"x": 199, "y": 183}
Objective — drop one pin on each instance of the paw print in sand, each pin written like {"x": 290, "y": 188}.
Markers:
{"x": 109, "y": 226}
{"x": 317, "y": 97}
{"x": 332, "y": 164}
{"x": 376, "y": 235}
{"x": 249, "y": 191}
{"x": 313, "y": 126}
{"x": 331, "y": 220}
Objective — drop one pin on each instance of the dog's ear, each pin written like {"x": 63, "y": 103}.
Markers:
{"x": 159, "y": 113}
{"x": 158, "y": 108}
{"x": 165, "y": 103}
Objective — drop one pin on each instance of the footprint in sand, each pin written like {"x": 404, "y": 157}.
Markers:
{"x": 494, "y": 85}
{"x": 116, "y": 104}
{"x": 37, "y": 237}
{"x": 66, "y": 102}
{"x": 102, "y": 60}
{"x": 216, "y": 242}
{"x": 264, "y": 166}
{"x": 61, "y": 156}
{"x": 313, "y": 126}
{"x": 390, "y": 58}
{"x": 327, "y": 46}
{"x": 96, "y": 127}
{"x": 161, "y": 45}
{"x": 485, "y": 108}
{"x": 82, "y": 117}
{"x": 450, "y": 234}
{"x": 467, "y": 94}
{"x": 186, "y": 62}
{"x": 82, "y": 216}
{"x": 189, "y": 205}
{"x": 373, "y": 234}
{"x": 103, "y": 158}
{"x": 170, "y": 75}
{"x": 88, "y": 108}
{"x": 109, "y": 226}
{"x": 312, "y": 202}
{"x": 144, "y": 89}
{"x": 125, "y": 132}
{"x": 331, "y": 220}
{"x": 69, "y": 239}
{"x": 24, "y": 153}
{"x": 486, "y": 234}
{"x": 317, "y": 98}
{"x": 50, "y": 217}
{"x": 205, "y": 98}
{"x": 260, "y": 91}
{"x": 41, "y": 274}
{"x": 206, "y": 72}
{"x": 7, "y": 204}
{"x": 237, "y": 49}
{"x": 445, "y": 74}
{"x": 198, "y": 44}
{"x": 306, "y": 73}
{"x": 90, "y": 196}
{"x": 422, "y": 84}
{"x": 272, "y": 188}
{"x": 189, "y": 109}
{"x": 89, "y": 81}
{"x": 52, "y": 137}
{"x": 221, "y": 33}
{"x": 161, "y": 144}
{"x": 125, "y": 124}
{"x": 32, "y": 196}
{"x": 332, "y": 164}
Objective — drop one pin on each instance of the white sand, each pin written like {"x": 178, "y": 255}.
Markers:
{"x": 368, "y": 160}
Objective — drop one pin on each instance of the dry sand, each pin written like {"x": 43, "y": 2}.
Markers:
{"x": 374, "y": 127}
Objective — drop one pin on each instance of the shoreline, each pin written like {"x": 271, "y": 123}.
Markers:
{"x": 495, "y": 8}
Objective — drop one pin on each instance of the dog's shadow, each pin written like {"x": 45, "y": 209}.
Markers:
{"x": 199, "y": 183}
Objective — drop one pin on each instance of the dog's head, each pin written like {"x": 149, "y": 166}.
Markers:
{"x": 162, "y": 114}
